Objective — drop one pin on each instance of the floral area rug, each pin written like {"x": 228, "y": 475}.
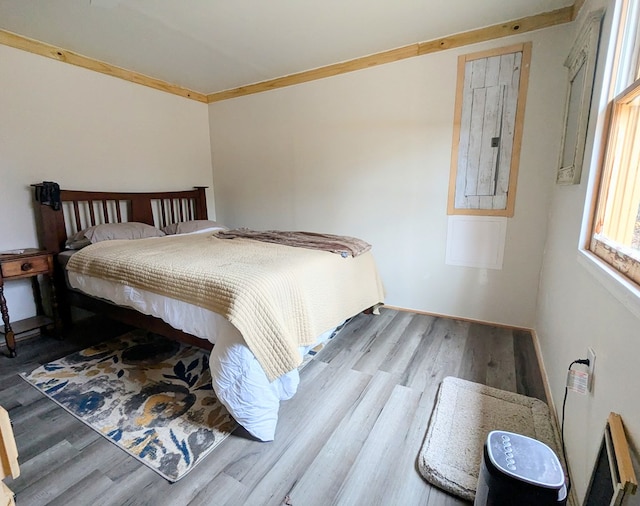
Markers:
{"x": 149, "y": 395}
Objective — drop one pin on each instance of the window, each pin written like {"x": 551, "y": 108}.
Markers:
{"x": 615, "y": 236}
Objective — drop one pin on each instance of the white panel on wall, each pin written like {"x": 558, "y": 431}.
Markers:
{"x": 476, "y": 241}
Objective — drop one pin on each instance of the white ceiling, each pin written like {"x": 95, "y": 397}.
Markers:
{"x": 213, "y": 45}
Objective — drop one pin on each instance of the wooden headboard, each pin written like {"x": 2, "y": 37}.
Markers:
{"x": 78, "y": 210}
{"x": 82, "y": 209}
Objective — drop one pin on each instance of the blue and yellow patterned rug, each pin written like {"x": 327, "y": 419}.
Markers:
{"x": 149, "y": 395}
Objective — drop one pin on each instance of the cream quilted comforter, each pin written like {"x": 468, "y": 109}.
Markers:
{"x": 278, "y": 297}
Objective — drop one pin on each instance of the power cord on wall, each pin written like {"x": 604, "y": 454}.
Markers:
{"x": 584, "y": 361}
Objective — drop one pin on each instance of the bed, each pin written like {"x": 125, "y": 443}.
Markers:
{"x": 257, "y": 348}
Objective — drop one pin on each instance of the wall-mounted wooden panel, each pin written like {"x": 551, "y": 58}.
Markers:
{"x": 491, "y": 94}
{"x": 581, "y": 64}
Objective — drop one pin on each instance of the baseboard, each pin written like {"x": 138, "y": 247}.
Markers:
{"x": 461, "y": 318}
{"x": 572, "y": 500}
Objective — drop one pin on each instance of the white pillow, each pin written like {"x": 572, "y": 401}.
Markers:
{"x": 188, "y": 227}
{"x": 109, "y": 231}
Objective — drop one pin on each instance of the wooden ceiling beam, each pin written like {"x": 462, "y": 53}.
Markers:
{"x": 319, "y": 73}
{"x": 577, "y": 6}
{"x": 522, "y": 25}
{"x": 56, "y": 53}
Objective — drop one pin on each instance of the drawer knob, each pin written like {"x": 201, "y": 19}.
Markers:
{"x": 26, "y": 266}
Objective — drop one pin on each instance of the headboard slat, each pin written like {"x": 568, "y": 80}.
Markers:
{"x": 105, "y": 209}
{"x": 76, "y": 211}
{"x": 92, "y": 214}
{"x": 172, "y": 206}
{"x": 129, "y": 206}
{"x": 163, "y": 213}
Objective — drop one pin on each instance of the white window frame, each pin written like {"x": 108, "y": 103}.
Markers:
{"x": 626, "y": 291}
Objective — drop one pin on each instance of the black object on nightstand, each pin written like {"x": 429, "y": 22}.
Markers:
{"x": 20, "y": 264}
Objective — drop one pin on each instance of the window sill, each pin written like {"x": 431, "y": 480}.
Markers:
{"x": 617, "y": 285}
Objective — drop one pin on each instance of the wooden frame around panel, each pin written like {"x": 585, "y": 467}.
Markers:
{"x": 581, "y": 57}
{"x": 517, "y": 133}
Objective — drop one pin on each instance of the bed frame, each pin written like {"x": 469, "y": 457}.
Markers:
{"x": 82, "y": 209}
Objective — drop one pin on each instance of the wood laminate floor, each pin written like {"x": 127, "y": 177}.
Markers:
{"x": 350, "y": 436}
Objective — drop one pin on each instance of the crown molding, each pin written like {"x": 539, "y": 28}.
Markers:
{"x": 522, "y": 25}
{"x": 63, "y": 55}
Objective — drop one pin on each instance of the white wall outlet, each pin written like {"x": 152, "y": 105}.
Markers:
{"x": 591, "y": 355}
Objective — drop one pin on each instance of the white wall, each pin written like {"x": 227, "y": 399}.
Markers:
{"x": 368, "y": 154}
{"x": 363, "y": 154}
{"x": 88, "y": 131}
{"x": 576, "y": 311}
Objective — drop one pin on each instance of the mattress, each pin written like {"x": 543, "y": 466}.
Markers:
{"x": 238, "y": 379}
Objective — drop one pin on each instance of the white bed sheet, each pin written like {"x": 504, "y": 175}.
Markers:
{"x": 238, "y": 379}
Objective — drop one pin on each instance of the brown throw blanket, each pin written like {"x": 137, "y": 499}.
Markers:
{"x": 341, "y": 244}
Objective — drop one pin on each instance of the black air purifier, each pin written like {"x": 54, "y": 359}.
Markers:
{"x": 519, "y": 470}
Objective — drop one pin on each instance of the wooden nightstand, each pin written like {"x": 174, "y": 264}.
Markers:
{"x": 29, "y": 263}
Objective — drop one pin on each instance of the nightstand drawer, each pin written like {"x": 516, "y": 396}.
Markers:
{"x": 25, "y": 266}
